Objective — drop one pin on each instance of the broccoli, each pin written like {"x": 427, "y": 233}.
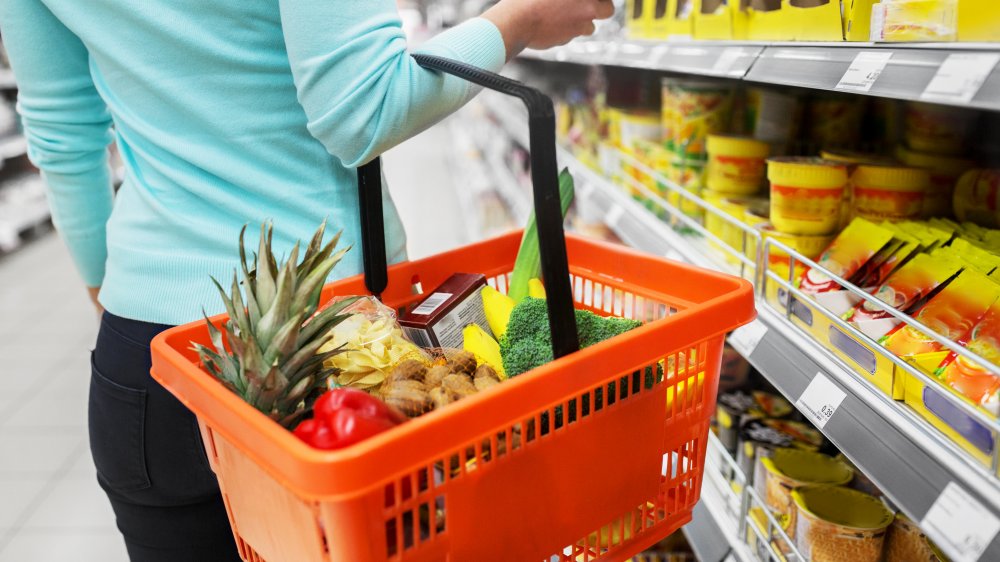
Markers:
{"x": 528, "y": 341}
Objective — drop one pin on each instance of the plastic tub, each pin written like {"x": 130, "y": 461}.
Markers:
{"x": 788, "y": 469}
{"x": 892, "y": 193}
{"x": 806, "y": 194}
{"x": 836, "y": 524}
{"x": 736, "y": 165}
{"x": 944, "y": 172}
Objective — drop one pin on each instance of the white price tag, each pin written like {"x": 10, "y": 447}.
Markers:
{"x": 960, "y": 77}
{"x": 745, "y": 339}
{"x": 864, "y": 71}
{"x": 960, "y": 525}
{"x": 727, "y": 59}
{"x": 820, "y": 400}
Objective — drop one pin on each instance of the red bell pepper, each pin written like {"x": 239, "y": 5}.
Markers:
{"x": 345, "y": 416}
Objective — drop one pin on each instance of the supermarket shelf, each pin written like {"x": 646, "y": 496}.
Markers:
{"x": 909, "y": 70}
{"x": 13, "y": 146}
{"x": 909, "y": 461}
{"x": 714, "y": 530}
{"x": 7, "y": 79}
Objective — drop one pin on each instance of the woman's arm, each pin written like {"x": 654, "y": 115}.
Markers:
{"x": 363, "y": 93}
{"x": 67, "y": 126}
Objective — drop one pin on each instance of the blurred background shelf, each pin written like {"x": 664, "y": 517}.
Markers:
{"x": 906, "y": 75}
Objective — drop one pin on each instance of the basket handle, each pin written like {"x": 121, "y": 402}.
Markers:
{"x": 545, "y": 182}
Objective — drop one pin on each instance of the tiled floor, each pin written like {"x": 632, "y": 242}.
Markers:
{"x": 51, "y": 508}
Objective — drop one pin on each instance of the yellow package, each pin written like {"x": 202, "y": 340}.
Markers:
{"x": 911, "y": 282}
{"x": 951, "y": 313}
{"x": 972, "y": 381}
{"x": 976, "y": 257}
{"x": 883, "y": 264}
{"x": 857, "y": 244}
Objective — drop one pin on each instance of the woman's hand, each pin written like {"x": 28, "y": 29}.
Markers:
{"x": 93, "y": 292}
{"x": 540, "y": 24}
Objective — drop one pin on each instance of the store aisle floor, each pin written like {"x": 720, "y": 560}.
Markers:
{"x": 51, "y": 508}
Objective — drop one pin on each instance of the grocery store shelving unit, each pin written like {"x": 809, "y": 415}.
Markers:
{"x": 907, "y": 73}
{"x": 910, "y": 461}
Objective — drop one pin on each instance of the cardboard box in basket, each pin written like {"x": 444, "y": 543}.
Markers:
{"x": 930, "y": 403}
{"x": 721, "y": 19}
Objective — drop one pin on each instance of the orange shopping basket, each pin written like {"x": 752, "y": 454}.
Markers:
{"x": 594, "y": 456}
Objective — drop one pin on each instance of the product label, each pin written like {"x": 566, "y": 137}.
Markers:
{"x": 820, "y": 400}
{"x": 960, "y": 77}
{"x": 960, "y": 525}
{"x": 432, "y": 303}
{"x": 448, "y": 330}
{"x": 746, "y": 338}
{"x": 864, "y": 71}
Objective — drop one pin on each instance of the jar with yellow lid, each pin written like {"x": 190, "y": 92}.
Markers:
{"x": 892, "y": 193}
{"x": 944, "y": 171}
{"x": 837, "y": 524}
{"x": 736, "y": 165}
{"x": 788, "y": 469}
{"x": 806, "y": 194}
{"x": 977, "y": 197}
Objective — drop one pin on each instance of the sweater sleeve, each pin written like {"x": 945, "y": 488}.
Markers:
{"x": 67, "y": 126}
{"x": 361, "y": 90}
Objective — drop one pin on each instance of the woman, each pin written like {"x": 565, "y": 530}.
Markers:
{"x": 225, "y": 113}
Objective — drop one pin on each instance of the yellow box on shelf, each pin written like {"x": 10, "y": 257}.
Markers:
{"x": 978, "y": 20}
{"x": 721, "y": 19}
{"x": 638, "y": 17}
{"x": 928, "y": 401}
{"x": 678, "y": 21}
{"x": 809, "y": 20}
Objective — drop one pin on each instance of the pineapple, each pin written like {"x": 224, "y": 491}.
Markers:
{"x": 273, "y": 360}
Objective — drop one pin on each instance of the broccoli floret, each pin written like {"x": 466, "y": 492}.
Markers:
{"x": 528, "y": 341}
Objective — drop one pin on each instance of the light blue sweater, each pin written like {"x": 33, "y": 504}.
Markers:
{"x": 226, "y": 112}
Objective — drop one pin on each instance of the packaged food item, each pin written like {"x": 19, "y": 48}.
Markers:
{"x": 937, "y": 129}
{"x": 735, "y": 207}
{"x": 734, "y": 408}
{"x": 974, "y": 382}
{"x": 779, "y": 261}
{"x": 688, "y": 173}
{"x": 853, "y": 158}
{"x": 639, "y": 125}
{"x": 834, "y": 120}
{"x": 915, "y": 20}
{"x": 773, "y": 116}
{"x": 735, "y": 371}
{"x": 893, "y": 255}
{"x": 944, "y": 171}
{"x": 788, "y": 469}
{"x": 889, "y": 192}
{"x": 857, "y": 244}
{"x": 836, "y": 524}
{"x": 439, "y": 319}
{"x": 974, "y": 256}
{"x": 700, "y": 108}
{"x": 760, "y": 437}
{"x": 736, "y": 165}
{"x": 951, "y": 313}
{"x": 906, "y": 542}
{"x": 977, "y": 197}
{"x": 910, "y": 283}
{"x": 373, "y": 345}
{"x": 806, "y": 194}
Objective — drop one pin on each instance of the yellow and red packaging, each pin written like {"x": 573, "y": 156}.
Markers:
{"x": 944, "y": 171}
{"x": 736, "y": 165}
{"x": 891, "y": 193}
{"x": 857, "y": 244}
{"x": 951, "y": 313}
{"x": 806, "y": 194}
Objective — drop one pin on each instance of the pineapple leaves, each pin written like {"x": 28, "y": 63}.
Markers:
{"x": 268, "y": 350}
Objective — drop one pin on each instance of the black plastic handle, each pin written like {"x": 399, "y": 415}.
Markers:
{"x": 545, "y": 183}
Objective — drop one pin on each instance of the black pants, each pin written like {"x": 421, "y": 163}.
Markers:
{"x": 149, "y": 455}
